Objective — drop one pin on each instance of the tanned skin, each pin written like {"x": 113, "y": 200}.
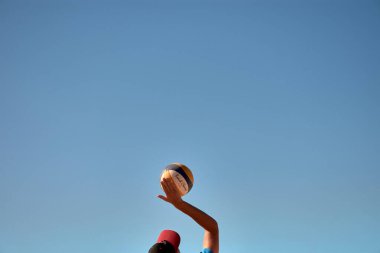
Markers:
{"x": 211, "y": 233}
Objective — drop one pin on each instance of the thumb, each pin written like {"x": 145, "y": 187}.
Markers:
{"x": 163, "y": 198}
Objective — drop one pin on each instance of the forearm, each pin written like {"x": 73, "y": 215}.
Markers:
{"x": 203, "y": 219}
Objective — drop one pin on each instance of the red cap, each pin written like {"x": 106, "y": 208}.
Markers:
{"x": 170, "y": 236}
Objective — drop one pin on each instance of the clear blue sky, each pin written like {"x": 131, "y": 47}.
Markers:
{"x": 274, "y": 106}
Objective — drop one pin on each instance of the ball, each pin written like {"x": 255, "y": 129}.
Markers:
{"x": 181, "y": 176}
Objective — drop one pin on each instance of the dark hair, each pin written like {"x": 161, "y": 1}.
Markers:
{"x": 162, "y": 247}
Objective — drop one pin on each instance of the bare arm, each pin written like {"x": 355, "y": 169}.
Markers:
{"x": 211, "y": 234}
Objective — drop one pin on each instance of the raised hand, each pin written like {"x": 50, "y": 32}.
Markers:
{"x": 172, "y": 194}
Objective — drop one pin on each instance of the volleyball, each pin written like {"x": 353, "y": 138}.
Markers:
{"x": 181, "y": 176}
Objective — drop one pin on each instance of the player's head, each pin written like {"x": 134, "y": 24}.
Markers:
{"x": 167, "y": 242}
{"x": 162, "y": 247}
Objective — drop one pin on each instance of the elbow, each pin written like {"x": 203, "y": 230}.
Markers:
{"x": 214, "y": 228}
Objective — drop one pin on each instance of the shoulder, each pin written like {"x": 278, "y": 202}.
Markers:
{"x": 206, "y": 250}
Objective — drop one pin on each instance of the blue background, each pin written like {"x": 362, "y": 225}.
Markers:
{"x": 274, "y": 105}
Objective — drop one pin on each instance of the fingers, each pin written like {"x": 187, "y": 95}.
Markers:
{"x": 164, "y": 186}
{"x": 168, "y": 186}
